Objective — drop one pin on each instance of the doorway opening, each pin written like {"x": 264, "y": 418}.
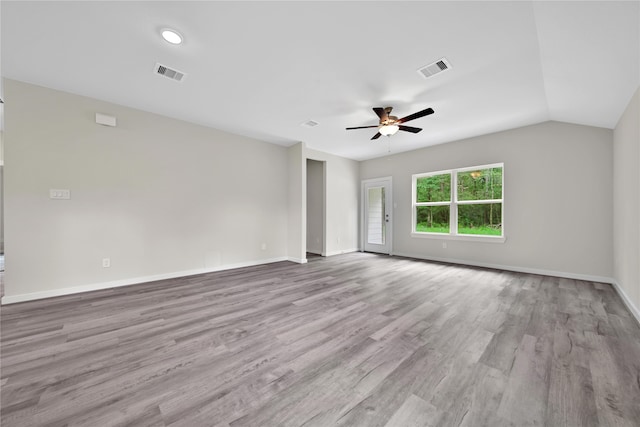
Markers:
{"x": 316, "y": 207}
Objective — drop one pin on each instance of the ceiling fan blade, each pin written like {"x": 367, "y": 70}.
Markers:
{"x": 416, "y": 115}
{"x": 409, "y": 128}
{"x": 382, "y": 113}
{"x": 363, "y": 127}
{"x": 377, "y": 135}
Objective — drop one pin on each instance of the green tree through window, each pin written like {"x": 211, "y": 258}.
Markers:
{"x": 474, "y": 207}
{"x": 434, "y": 195}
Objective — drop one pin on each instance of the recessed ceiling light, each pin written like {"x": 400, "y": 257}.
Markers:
{"x": 171, "y": 36}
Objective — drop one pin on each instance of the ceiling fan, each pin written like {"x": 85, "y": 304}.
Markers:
{"x": 389, "y": 125}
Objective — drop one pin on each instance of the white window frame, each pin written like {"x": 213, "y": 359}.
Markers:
{"x": 453, "y": 206}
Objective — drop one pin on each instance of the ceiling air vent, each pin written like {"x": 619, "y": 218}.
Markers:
{"x": 170, "y": 73}
{"x": 310, "y": 123}
{"x": 435, "y": 68}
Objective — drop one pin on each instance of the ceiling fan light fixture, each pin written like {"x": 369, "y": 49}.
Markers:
{"x": 171, "y": 36}
{"x": 388, "y": 130}
{"x": 389, "y": 125}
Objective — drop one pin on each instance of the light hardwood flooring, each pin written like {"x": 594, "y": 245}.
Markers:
{"x": 351, "y": 340}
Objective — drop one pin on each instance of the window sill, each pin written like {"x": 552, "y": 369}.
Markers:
{"x": 461, "y": 237}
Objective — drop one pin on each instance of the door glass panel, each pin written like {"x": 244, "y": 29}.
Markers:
{"x": 375, "y": 216}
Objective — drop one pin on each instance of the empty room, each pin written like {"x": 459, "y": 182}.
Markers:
{"x": 320, "y": 213}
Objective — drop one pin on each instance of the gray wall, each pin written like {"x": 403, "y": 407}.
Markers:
{"x": 551, "y": 167}
{"x": 1, "y": 209}
{"x": 297, "y": 215}
{"x": 155, "y": 195}
{"x": 2, "y": 191}
{"x": 626, "y": 202}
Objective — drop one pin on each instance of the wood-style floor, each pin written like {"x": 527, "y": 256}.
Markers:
{"x": 351, "y": 340}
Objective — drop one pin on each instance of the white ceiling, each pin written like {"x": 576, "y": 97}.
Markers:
{"x": 262, "y": 68}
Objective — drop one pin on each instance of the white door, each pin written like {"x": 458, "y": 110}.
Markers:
{"x": 376, "y": 214}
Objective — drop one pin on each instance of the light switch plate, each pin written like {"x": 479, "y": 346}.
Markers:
{"x": 60, "y": 194}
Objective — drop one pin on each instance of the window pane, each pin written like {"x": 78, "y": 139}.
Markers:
{"x": 482, "y": 184}
{"x": 435, "y": 188}
{"x": 432, "y": 219}
{"x": 482, "y": 219}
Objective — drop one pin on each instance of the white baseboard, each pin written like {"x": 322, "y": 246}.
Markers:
{"x": 12, "y": 299}
{"x": 340, "y": 252}
{"x": 627, "y": 301}
{"x": 517, "y": 269}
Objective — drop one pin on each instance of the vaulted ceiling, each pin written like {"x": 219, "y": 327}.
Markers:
{"x": 263, "y": 68}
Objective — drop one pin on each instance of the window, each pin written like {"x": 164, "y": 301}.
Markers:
{"x": 460, "y": 202}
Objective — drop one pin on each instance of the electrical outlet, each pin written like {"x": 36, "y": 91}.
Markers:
{"x": 106, "y": 262}
{"x": 444, "y": 245}
{"x": 263, "y": 246}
